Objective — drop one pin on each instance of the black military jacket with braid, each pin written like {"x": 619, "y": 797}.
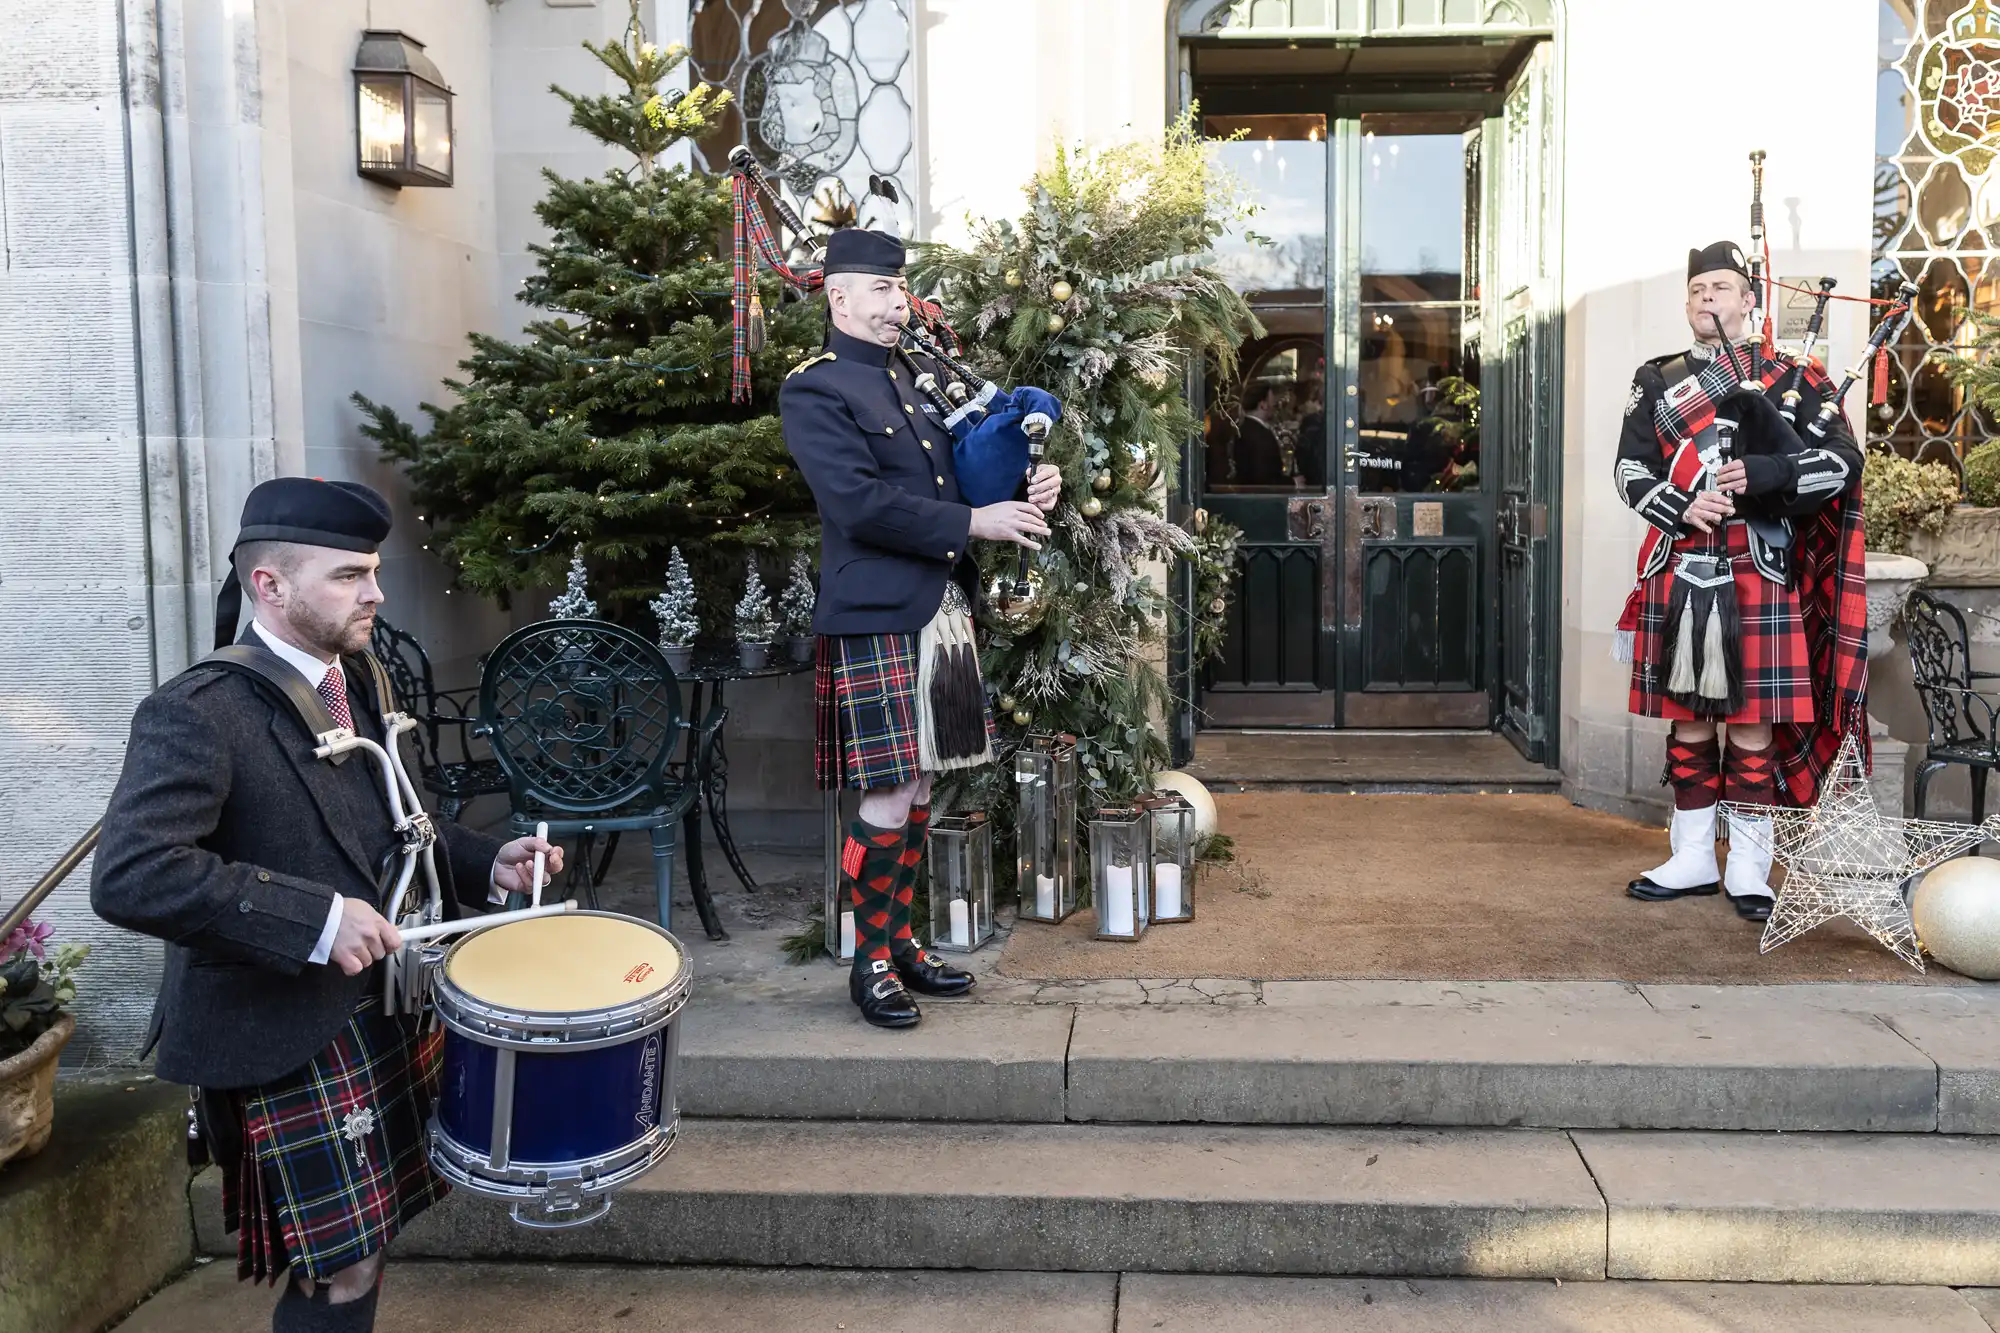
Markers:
{"x": 1780, "y": 487}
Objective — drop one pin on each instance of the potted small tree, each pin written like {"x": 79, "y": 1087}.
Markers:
{"x": 674, "y": 608}
{"x": 796, "y": 609}
{"x": 755, "y": 627}
{"x": 35, "y": 987}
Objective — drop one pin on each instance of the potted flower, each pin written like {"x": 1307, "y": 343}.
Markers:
{"x": 795, "y": 607}
{"x": 35, "y": 986}
{"x": 674, "y": 608}
{"x": 755, "y": 627}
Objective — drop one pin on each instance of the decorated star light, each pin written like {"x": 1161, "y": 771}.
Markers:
{"x": 1844, "y": 857}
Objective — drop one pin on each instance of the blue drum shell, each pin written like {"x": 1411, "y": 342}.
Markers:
{"x": 569, "y": 1106}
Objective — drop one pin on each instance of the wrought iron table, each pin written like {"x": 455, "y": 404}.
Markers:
{"x": 717, "y": 667}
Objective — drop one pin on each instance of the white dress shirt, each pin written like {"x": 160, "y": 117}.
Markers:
{"x": 314, "y": 671}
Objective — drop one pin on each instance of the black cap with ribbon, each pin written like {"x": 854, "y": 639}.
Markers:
{"x": 1721, "y": 255}
{"x": 344, "y": 515}
{"x": 855, "y": 250}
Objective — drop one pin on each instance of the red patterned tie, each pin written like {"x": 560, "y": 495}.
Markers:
{"x": 333, "y": 689}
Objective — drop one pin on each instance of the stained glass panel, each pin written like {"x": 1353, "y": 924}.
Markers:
{"x": 1937, "y": 209}
{"x": 823, "y": 94}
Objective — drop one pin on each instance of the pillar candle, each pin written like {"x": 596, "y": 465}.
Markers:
{"x": 961, "y": 924}
{"x": 847, "y": 934}
{"x": 1117, "y": 918}
{"x": 1045, "y": 896}
{"x": 1166, "y": 890}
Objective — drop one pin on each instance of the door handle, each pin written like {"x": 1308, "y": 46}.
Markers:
{"x": 1371, "y": 517}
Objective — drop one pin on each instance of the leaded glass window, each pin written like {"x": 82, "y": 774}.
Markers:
{"x": 1937, "y": 210}
{"x": 824, "y": 90}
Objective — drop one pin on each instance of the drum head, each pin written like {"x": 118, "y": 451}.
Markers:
{"x": 564, "y": 964}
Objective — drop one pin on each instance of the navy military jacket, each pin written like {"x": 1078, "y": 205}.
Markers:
{"x": 893, "y": 528}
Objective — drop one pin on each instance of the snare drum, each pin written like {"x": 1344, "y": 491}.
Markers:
{"x": 561, "y": 1039}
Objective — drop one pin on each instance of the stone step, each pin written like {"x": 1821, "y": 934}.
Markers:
{"x": 1278, "y": 1200}
{"x": 532, "y": 1298}
{"x": 1589, "y": 1056}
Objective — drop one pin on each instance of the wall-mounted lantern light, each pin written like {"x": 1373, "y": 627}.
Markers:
{"x": 402, "y": 112}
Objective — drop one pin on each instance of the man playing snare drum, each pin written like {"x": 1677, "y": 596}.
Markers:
{"x": 262, "y": 867}
{"x": 896, "y": 581}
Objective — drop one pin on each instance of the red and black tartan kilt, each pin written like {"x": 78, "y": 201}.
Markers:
{"x": 334, "y": 1162}
{"x": 1777, "y": 678}
{"x": 865, "y": 707}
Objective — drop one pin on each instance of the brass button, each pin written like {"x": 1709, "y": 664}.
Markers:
{"x": 263, "y": 877}
{"x": 888, "y": 430}
{"x": 243, "y": 907}
{"x": 951, "y": 555}
{"x": 908, "y": 408}
{"x": 927, "y": 444}
{"x": 892, "y": 374}
{"x": 940, "y": 481}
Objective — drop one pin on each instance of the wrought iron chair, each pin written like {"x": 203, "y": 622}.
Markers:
{"x": 455, "y": 782}
{"x": 585, "y": 720}
{"x": 1959, "y": 713}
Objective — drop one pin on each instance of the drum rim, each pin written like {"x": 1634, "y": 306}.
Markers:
{"x": 473, "y": 1170}
{"x": 453, "y": 1000}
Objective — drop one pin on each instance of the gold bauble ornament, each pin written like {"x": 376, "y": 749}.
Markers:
{"x": 1013, "y": 278}
{"x": 1057, "y": 323}
{"x": 1217, "y": 607}
{"x": 1014, "y": 612}
{"x": 1062, "y": 291}
{"x": 1142, "y": 472}
{"x": 1006, "y": 703}
{"x": 1101, "y": 482}
{"x": 1022, "y": 717}
{"x": 1200, "y": 522}
{"x": 1091, "y": 507}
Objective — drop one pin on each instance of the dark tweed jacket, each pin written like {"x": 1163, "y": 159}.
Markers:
{"x": 227, "y": 839}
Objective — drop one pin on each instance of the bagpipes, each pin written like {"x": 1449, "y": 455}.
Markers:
{"x": 1702, "y": 640}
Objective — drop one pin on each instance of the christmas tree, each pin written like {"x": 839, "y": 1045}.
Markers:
{"x": 610, "y": 423}
{"x": 795, "y": 606}
{"x": 753, "y": 613}
{"x": 674, "y": 608}
{"x": 575, "y": 603}
{"x": 1101, "y": 294}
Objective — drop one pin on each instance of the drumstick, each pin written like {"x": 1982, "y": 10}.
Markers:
{"x": 541, "y": 861}
{"x": 482, "y": 922}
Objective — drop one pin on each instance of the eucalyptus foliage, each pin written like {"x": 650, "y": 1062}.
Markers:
{"x": 1129, "y": 231}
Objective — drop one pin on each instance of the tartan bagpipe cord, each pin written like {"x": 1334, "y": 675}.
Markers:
{"x": 752, "y": 227}
{"x": 1833, "y": 604}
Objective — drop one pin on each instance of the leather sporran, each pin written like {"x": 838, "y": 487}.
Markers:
{"x": 951, "y": 697}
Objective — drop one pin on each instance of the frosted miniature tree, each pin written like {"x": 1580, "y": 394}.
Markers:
{"x": 575, "y": 603}
{"x": 796, "y": 606}
{"x": 675, "y": 606}
{"x": 753, "y": 613}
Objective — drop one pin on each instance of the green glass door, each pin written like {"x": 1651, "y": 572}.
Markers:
{"x": 1345, "y": 446}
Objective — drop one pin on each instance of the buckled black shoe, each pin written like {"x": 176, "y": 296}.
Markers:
{"x": 1644, "y": 889}
{"x": 879, "y": 993}
{"x": 1752, "y": 906}
{"x": 927, "y": 974}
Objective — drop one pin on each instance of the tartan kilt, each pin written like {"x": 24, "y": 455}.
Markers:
{"x": 865, "y": 711}
{"x": 1777, "y": 676}
{"x": 334, "y": 1159}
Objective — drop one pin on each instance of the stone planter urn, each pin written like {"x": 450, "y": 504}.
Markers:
{"x": 1890, "y": 580}
{"x": 27, "y": 1092}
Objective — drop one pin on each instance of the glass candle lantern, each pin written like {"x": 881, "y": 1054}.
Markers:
{"x": 1045, "y": 772}
{"x": 1121, "y": 879}
{"x": 1173, "y": 857}
{"x": 960, "y": 867}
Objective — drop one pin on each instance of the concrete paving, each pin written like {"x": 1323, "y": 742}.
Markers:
{"x": 1330, "y": 1305}
{"x": 1071, "y": 1198}
{"x": 1966, "y": 1049}
{"x": 501, "y": 1298}
{"x": 1609, "y": 1060}
{"x": 814, "y": 1060}
{"x": 522, "y": 1298}
{"x": 1799, "y": 1207}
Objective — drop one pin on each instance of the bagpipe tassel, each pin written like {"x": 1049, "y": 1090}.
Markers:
{"x": 756, "y": 322}
{"x": 1681, "y": 679}
{"x": 1714, "y": 671}
{"x": 1878, "y": 384}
